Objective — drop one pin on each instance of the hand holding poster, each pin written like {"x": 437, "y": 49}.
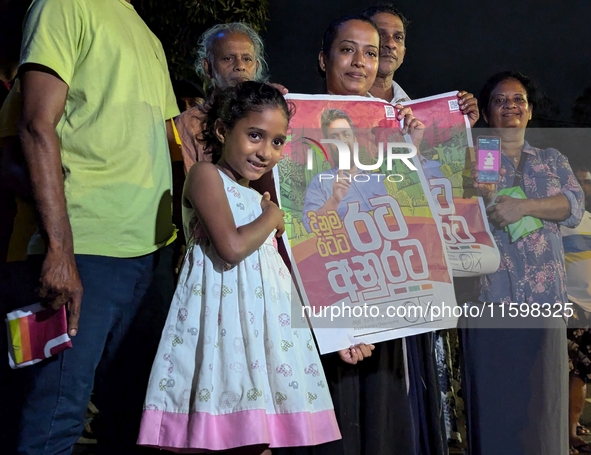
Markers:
{"x": 471, "y": 248}
{"x": 366, "y": 249}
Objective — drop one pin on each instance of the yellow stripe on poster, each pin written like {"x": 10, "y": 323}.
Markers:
{"x": 15, "y": 336}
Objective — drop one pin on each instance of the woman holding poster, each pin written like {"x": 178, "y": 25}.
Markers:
{"x": 368, "y": 388}
{"x": 516, "y": 380}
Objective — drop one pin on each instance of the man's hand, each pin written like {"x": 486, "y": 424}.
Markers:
{"x": 61, "y": 285}
{"x": 44, "y": 98}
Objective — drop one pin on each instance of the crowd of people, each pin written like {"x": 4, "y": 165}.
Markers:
{"x": 201, "y": 356}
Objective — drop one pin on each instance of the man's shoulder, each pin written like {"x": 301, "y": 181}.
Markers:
{"x": 400, "y": 96}
{"x": 69, "y": 4}
{"x": 193, "y": 113}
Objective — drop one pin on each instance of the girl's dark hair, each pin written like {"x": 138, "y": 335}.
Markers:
{"x": 233, "y": 104}
{"x": 331, "y": 32}
{"x": 493, "y": 81}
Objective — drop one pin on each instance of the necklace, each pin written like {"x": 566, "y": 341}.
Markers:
{"x": 514, "y": 158}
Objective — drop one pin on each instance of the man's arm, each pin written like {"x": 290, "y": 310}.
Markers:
{"x": 44, "y": 98}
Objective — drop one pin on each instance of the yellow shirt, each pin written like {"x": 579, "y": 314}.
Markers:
{"x": 114, "y": 150}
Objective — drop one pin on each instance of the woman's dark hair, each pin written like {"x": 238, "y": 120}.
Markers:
{"x": 493, "y": 81}
{"x": 386, "y": 8}
{"x": 332, "y": 31}
{"x": 233, "y": 104}
{"x": 330, "y": 115}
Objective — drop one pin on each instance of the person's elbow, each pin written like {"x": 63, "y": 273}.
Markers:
{"x": 228, "y": 255}
{"x": 232, "y": 252}
{"x": 565, "y": 212}
{"x": 571, "y": 212}
{"x": 33, "y": 130}
{"x": 44, "y": 94}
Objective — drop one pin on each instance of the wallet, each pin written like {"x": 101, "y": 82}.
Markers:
{"x": 36, "y": 333}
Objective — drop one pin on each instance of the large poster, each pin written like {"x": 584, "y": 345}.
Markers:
{"x": 366, "y": 249}
{"x": 470, "y": 246}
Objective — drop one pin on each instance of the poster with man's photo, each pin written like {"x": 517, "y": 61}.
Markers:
{"x": 444, "y": 149}
{"x": 366, "y": 249}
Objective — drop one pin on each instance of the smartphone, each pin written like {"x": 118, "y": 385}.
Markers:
{"x": 488, "y": 158}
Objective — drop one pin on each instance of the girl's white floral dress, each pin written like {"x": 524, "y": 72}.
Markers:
{"x": 232, "y": 369}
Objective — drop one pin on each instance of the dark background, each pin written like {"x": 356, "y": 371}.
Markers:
{"x": 451, "y": 45}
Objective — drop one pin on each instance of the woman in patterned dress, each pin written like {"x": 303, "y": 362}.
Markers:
{"x": 515, "y": 375}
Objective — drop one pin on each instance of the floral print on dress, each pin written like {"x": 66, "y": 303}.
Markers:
{"x": 229, "y": 350}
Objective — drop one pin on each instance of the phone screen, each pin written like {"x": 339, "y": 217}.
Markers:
{"x": 489, "y": 159}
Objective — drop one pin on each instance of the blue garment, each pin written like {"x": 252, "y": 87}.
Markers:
{"x": 515, "y": 385}
{"x": 320, "y": 191}
{"x": 123, "y": 309}
{"x": 532, "y": 268}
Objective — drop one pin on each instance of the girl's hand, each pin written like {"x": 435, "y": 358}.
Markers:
{"x": 356, "y": 353}
{"x": 469, "y": 106}
{"x": 268, "y": 205}
{"x": 412, "y": 125}
{"x": 232, "y": 243}
{"x": 507, "y": 210}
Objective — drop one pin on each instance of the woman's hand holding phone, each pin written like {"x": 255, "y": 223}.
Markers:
{"x": 488, "y": 191}
{"x": 486, "y": 170}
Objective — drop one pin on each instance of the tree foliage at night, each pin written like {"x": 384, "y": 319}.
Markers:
{"x": 179, "y": 23}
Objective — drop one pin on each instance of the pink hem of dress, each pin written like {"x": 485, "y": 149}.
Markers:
{"x": 180, "y": 432}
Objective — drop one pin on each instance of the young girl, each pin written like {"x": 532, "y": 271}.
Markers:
{"x": 230, "y": 370}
